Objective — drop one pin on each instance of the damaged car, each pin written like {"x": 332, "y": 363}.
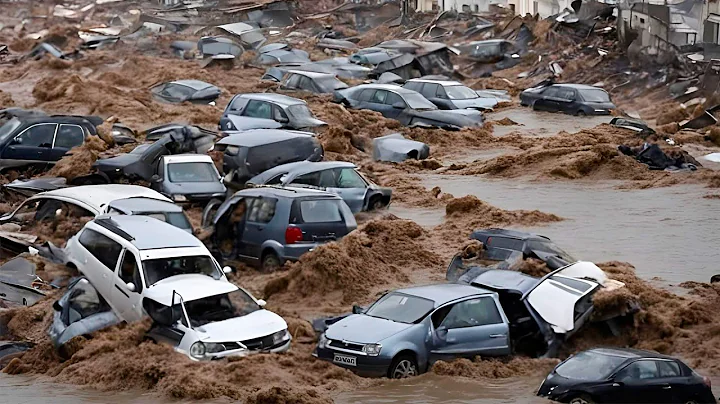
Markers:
{"x": 313, "y": 82}
{"x": 500, "y": 243}
{"x": 179, "y": 91}
{"x": 406, "y": 106}
{"x": 395, "y": 148}
{"x": 573, "y": 99}
{"x": 267, "y": 111}
{"x": 19, "y": 283}
{"x": 188, "y": 178}
{"x": 447, "y": 94}
{"x": 344, "y": 179}
{"x": 267, "y": 226}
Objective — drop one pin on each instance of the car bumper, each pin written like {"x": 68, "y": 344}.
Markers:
{"x": 243, "y": 352}
{"x": 292, "y": 252}
{"x": 368, "y": 366}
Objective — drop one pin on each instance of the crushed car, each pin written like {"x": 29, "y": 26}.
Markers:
{"x": 502, "y": 243}
{"x": 573, "y": 99}
{"x": 267, "y": 226}
{"x": 395, "y": 148}
{"x": 267, "y": 111}
{"x": 672, "y": 160}
{"x": 179, "y": 91}
{"x": 19, "y": 283}
{"x": 188, "y": 178}
{"x": 406, "y": 106}
{"x": 342, "y": 178}
{"x": 446, "y": 94}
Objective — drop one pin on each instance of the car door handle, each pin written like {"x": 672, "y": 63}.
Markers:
{"x": 498, "y": 335}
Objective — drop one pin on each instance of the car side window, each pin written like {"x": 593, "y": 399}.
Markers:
{"x": 38, "y": 136}
{"x": 503, "y": 242}
{"x": 275, "y": 180}
{"x": 366, "y": 95}
{"x": 349, "y": 178}
{"x": 101, "y": 247}
{"x": 292, "y": 81}
{"x": 308, "y": 179}
{"x": 440, "y": 93}
{"x": 84, "y": 301}
{"x": 278, "y": 113}
{"x": 129, "y": 271}
{"x": 379, "y": 97}
{"x": 393, "y": 99}
{"x": 305, "y": 84}
{"x": 566, "y": 94}
{"x": 69, "y": 136}
{"x": 473, "y": 313}
{"x": 262, "y": 211}
{"x": 639, "y": 370}
{"x": 550, "y": 92}
{"x": 429, "y": 90}
{"x": 327, "y": 179}
{"x": 238, "y": 103}
{"x": 415, "y": 86}
{"x": 258, "y": 109}
{"x": 668, "y": 369}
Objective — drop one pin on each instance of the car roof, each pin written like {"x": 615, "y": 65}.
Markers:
{"x": 136, "y": 205}
{"x": 257, "y": 137}
{"x": 443, "y": 83}
{"x": 152, "y": 234}
{"x": 188, "y": 158}
{"x": 503, "y": 279}
{"x": 306, "y": 166}
{"x": 444, "y": 292}
{"x": 630, "y": 353}
{"x": 276, "y": 98}
{"x": 194, "y": 84}
{"x": 285, "y": 192}
{"x": 577, "y": 86}
{"x": 389, "y": 87}
{"x": 100, "y": 195}
{"x": 509, "y": 233}
{"x": 312, "y": 75}
{"x": 71, "y": 119}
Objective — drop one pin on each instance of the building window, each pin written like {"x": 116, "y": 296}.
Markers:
{"x": 642, "y": 21}
{"x": 465, "y": 8}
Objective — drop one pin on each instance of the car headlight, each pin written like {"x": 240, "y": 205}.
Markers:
{"x": 600, "y": 110}
{"x": 212, "y": 347}
{"x": 179, "y": 198}
{"x": 372, "y": 349}
{"x": 197, "y": 350}
{"x": 281, "y": 336}
{"x": 323, "y": 341}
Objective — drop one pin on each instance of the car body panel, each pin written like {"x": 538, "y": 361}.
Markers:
{"x": 566, "y": 98}
{"x": 395, "y": 148}
{"x": 272, "y": 107}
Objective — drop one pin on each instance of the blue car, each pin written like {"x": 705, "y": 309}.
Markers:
{"x": 407, "y": 330}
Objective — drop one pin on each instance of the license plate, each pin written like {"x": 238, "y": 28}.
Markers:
{"x": 345, "y": 360}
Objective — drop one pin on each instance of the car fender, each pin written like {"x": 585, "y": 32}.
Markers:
{"x": 420, "y": 353}
{"x": 274, "y": 245}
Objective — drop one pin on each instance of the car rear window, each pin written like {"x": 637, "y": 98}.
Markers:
{"x": 589, "y": 365}
{"x": 320, "y": 210}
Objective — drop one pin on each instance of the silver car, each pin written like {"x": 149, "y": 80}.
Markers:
{"x": 407, "y": 330}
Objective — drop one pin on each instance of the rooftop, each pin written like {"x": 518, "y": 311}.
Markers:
{"x": 194, "y": 84}
{"x": 151, "y": 234}
{"x": 100, "y": 195}
{"x": 142, "y": 205}
{"x": 444, "y": 292}
{"x": 257, "y": 137}
{"x": 276, "y": 98}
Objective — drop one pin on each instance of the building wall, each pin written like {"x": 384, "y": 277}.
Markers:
{"x": 425, "y": 5}
{"x": 469, "y": 5}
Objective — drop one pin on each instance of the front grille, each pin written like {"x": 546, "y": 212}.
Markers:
{"x": 259, "y": 343}
{"x": 229, "y": 346}
{"x": 346, "y": 345}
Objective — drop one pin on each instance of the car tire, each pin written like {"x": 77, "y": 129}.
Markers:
{"x": 402, "y": 367}
{"x": 270, "y": 262}
{"x": 581, "y": 113}
{"x": 376, "y": 203}
{"x": 582, "y": 399}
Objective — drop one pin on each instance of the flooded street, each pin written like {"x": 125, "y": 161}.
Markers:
{"x": 542, "y": 124}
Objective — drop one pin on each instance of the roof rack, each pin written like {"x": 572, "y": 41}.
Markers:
{"x": 113, "y": 226}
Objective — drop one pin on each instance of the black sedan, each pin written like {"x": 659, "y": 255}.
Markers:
{"x": 574, "y": 99}
{"x": 616, "y": 375}
{"x": 407, "y": 106}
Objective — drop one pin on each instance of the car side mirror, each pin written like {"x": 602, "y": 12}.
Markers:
{"x": 17, "y": 140}
{"x": 261, "y": 303}
{"x": 57, "y": 306}
{"x": 156, "y": 178}
{"x": 130, "y": 286}
{"x": 282, "y": 119}
{"x": 398, "y": 105}
{"x": 357, "y": 309}
{"x": 441, "y": 332}
{"x": 227, "y": 270}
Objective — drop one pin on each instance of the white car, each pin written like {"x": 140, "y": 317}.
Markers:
{"x": 123, "y": 257}
{"x": 206, "y": 319}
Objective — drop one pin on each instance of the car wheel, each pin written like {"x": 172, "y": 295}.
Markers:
{"x": 270, "y": 262}
{"x": 402, "y": 367}
{"x": 715, "y": 279}
{"x": 376, "y": 204}
{"x": 581, "y": 113}
{"x": 583, "y": 399}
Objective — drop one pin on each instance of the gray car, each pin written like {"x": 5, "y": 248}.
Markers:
{"x": 188, "y": 178}
{"x": 267, "y": 111}
{"x": 338, "y": 177}
{"x": 267, "y": 226}
{"x": 450, "y": 94}
{"x": 407, "y": 330}
{"x": 161, "y": 210}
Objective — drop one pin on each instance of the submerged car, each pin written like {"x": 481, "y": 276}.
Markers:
{"x": 267, "y": 226}
{"x": 502, "y": 242}
{"x": 574, "y": 99}
{"x": 249, "y": 153}
{"x": 406, "y": 106}
{"x": 311, "y": 81}
{"x": 188, "y": 178}
{"x": 395, "y": 148}
{"x": 450, "y": 94}
{"x": 179, "y": 91}
{"x": 267, "y": 111}
{"x": 405, "y": 331}
{"x": 338, "y": 177}
{"x": 621, "y": 375}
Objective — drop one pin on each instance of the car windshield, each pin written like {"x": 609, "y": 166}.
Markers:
{"x": 460, "y": 93}
{"x": 159, "y": 269}
{"x": 401, "y": 308}
{"x": 220, "y": 48}
{"x": 595, "y": 95}
{"x": 300, "y": 111}
{"x": 176, "y": 91}
{"x": 321, "y": 210}
{"x": 550, "y": 247}
{"x": 589, "y": 365}
{"x": 192, "y": 172}
{"x": 220, "y": 307}
{"x": 9, "y": 127}
{"x": 417, "y": 101}
{"x": 177, "y": 219}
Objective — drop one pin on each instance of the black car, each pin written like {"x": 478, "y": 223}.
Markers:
{"x": 407, "y": 106}
{"x": 617, "y": 375}
{"x": 574, "y": 99}
{"x": 267, "y": 111}
{"x": 194, "y": 91}
{"x": 39, "y": 141}
{"x": 312, "y": 81}
{"x": 531, "y": 245}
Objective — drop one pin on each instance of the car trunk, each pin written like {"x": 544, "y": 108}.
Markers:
{"x": 320, "y": 220}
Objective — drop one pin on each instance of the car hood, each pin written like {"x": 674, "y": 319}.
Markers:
{"x": 484, "y": 103}
{"x": 195, "y": 187}
{"x": 257, "y": 324}
{"x": 120, "y": 161}
{"x": 456, "y": 117}
{"x": 364, "y": 329}
{"x": 189, "y": 287}
{"x": 308, "y": 123}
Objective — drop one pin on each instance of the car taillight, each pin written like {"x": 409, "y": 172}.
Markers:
{"x": 293, "y": 235}
{"x": 707, "y": 381}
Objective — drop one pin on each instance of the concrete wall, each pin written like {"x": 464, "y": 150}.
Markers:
{"x": 469, "y": 5}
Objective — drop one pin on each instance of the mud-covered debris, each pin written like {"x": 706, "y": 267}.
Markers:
{"x": 395, "y": 148}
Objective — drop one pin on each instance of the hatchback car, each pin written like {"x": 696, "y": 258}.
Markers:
{"x": 406, "y": 106}
{"x": 338, "y": 177}
{"x": 268, "y": 226}
{"x": 405, "y": 331}
{"x": 574, "y": 99}
{"x": 267, "y": 111}
{"x": 188, "y": 178}
{"x": 617, "y": 375}
{"x": 450, "y": 94}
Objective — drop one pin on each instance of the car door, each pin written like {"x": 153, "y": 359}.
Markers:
{"x": 377, "y": 103}
{"x": 639, "y": 383}
{"x": 429, "y": 90}
{"x": 260, "y": 212}
{"x": 126, "y": 300}
{"x": 546, "y": 101}
{"x": 364, "y": 98}
{"x": 99, "y": 260}
{"x": 32, "y": 145}
{"x": 566, "y": 101}
{"x": 347, "y": 183}
{"x": 67, "y": 137}
{"x": 468, "y": 328}
{"x": 258, "y": 109}
{"x": 395, "y": 105}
